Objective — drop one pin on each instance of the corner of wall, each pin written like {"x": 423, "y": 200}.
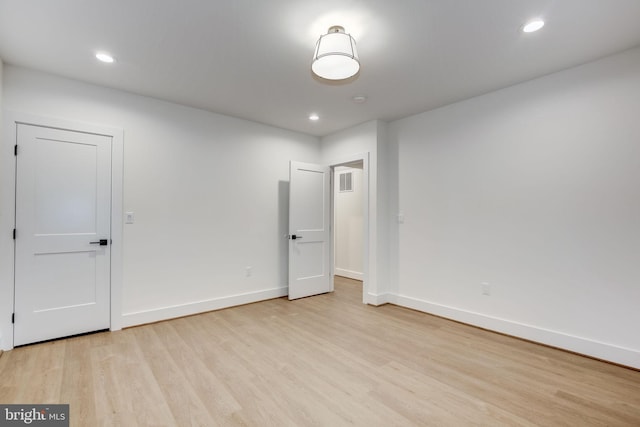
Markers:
{"x": 393, "y": 207}
{"x": 383, "y": 208}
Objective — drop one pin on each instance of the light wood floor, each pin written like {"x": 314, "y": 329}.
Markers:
{"x": 324, "y": 361}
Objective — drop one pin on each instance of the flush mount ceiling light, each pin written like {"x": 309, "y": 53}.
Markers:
{"x": 314, "y": 117}
{"x": 335, "y": 57}
{"x": 533, "y": 26}
{"x": 105, "y": 57}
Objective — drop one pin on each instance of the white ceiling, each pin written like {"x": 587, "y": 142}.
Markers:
{"x": 251, "y": 58}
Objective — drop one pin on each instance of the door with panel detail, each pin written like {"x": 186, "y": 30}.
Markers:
{"x": 63, "y": 227}
{"x": 309, "y": 230}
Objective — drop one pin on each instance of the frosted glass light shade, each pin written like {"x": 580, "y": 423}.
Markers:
{"x": 533, "y": 26}
{"x": 335, "y": 57}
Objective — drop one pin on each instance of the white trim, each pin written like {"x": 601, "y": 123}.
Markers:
{"x": 11, "y": 119}
{"x": 198, "y": 307}
{"x": 356, "y": 275}
{"x": 588, "y": 347}
{"x": 7, "y": 222}
{"x": 117, "y": 233}
{"x": 380, "y": 299}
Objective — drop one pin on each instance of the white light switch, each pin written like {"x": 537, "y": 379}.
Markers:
{"x": 129, "y": 217}
{"x": 400, "y": 218}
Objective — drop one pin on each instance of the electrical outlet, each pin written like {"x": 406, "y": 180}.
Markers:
{"x": 248, "y": 271}
{"x": 486, "y": 288}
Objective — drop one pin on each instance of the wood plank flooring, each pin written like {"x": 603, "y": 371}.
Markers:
{"x": 328, "y": 360}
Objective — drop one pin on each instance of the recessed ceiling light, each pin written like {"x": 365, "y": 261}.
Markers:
{"x": 105, "y": 57}
{"x": 359, "y": 99}
{"x": 533, "y": 26}
{"x": 314, "y": 117}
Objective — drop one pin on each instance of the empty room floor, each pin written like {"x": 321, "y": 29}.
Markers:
{"x": 327, "y": 360}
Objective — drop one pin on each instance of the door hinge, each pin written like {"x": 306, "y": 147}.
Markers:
{"x": 15, "y": 150}
{"x": 14, "y": 234}
{"x": 13, "y": 318}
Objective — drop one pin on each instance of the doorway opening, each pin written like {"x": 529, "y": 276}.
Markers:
{"x": 312, "y": 220}
{"x": 349, "y": 219}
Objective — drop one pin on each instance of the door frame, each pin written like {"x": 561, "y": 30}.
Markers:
{"x": 8, "y": 219}
{"x": 343, "y": 161}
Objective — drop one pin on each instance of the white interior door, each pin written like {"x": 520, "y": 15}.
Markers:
{"x": 309, "y": 230}
{"x": 63, "y": 210}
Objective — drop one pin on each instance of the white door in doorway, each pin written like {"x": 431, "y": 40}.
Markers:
{"x": 63, "y": 217}
{"x": 309, "y": 230}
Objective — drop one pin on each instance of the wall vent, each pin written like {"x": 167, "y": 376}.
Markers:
{"x": 346, "y": 182}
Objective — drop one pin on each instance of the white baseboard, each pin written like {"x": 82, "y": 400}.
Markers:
{"x": 348, "y": 273}
{"x": 378, "y": 299}
{"x": 599, "y": 350}
{"x": 170, "y": 312}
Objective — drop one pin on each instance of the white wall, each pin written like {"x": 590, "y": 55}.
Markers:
{"x": 209, "y": 192}
{"x": 535, "y": 190}
{"x": 341, "y": 146}
{"x": 348, "y": 225}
